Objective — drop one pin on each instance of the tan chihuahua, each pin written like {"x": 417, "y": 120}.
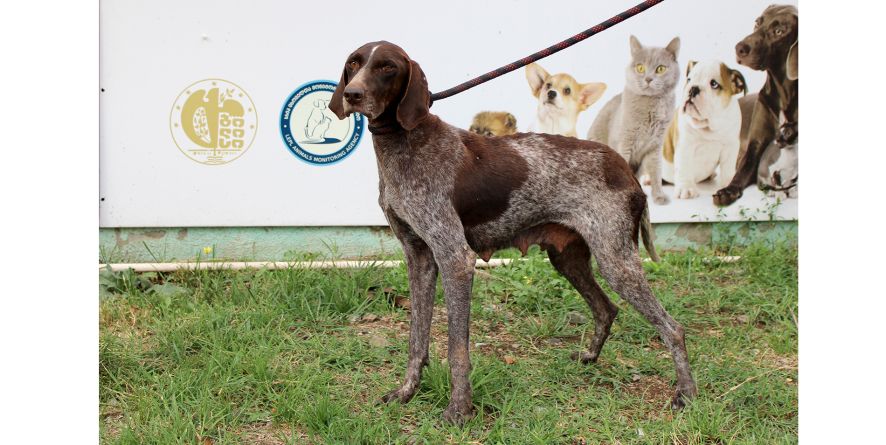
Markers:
{"x": 560, "y": 99}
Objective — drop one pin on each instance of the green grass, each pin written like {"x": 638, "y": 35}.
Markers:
{"x": 276, "y": 357}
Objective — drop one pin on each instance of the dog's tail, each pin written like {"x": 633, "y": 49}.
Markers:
{"x": 647, "y": 234}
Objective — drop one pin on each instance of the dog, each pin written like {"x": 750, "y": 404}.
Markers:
{"x": 494, "y": 123}
{"x": 450, "y": 195}
{"x": 768, "y": 48}
{"x": 705, "y": 133}
{"x": 781, "y": 180}
{"x": 560, "y": 100}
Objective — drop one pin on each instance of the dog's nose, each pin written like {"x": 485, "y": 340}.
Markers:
{"x": 742, "y": 49}
{"x": 353, "y": 94}
{"x": 693, "y": 92}
{"x": 552, "y": 94}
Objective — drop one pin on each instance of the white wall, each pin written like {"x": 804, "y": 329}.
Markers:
{"x": 151, "y": 51}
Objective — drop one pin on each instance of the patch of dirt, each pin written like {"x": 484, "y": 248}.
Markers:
{"x": 775, "y": 360}
{"x": 113, "y": 423}
{"x": 653, "y": 389}
{"x": 268, "y": 433}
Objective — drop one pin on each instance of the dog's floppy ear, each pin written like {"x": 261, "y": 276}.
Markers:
{"x": 536, "y": 76}
{"x": 590, "y": 93}
{"x": 674, "y": 47}
{"x": 335, "y": 103}
{"x": 689, "y": 67}
{"x": 415, "y": 105}
{"x": 739, "y": 85}
{"x": 793, "y": 61}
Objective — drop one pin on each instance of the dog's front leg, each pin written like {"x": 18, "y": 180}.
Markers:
{"x": 422, "y": 273}
{"x": 456, "y": 262}
{"x": 762, "y": 133}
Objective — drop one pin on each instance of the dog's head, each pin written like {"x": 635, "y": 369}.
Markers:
{"x": 710, "y": 88}
{"x": 380, "y": 80}
{"x": 494, "y": 123}
{"x": 769, "y": 46}
{"x": 561, "y": 94}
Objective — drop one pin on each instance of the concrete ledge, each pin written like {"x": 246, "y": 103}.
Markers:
{"x": 140, "y": 245}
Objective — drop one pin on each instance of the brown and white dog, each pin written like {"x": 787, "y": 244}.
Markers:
{"x": 704, "y": 135}
{"x": 450, "y": 195}
{"x": 560, "y": 100}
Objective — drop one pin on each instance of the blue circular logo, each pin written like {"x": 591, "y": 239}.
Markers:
{"x": 312, "y": 132}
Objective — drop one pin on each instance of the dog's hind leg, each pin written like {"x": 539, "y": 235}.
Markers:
{"x": 574, "y": 264}
{"x": 619, "y": 260}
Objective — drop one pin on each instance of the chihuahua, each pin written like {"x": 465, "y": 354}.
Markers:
{"x": 560, "y": 100}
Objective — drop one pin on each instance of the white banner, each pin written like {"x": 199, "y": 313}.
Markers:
{"x": 213, "y": 112}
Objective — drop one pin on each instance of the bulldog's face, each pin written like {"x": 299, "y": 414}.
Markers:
{"x": 710, "y": 88}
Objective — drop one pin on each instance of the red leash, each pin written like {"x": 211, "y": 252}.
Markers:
{"x": 547, "y": 51}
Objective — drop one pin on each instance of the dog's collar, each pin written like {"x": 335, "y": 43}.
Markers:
{"x": 389, "y": 128}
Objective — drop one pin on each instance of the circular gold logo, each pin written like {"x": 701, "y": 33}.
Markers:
{"x": 213, "y": 121}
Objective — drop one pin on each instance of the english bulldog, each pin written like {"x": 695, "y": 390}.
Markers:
{"x": 705, "y": 133}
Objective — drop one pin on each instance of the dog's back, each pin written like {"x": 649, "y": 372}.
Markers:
{"x": 563, "y": 178}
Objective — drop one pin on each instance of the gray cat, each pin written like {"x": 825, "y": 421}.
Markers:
{"x": 634, "y": 122}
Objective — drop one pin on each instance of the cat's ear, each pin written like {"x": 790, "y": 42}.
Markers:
{"x": 674, "y": 47}
{"x": 689, "y": 67}
{"x": 590, "y": 93}
{"x": 636, "y": 46}
{"x": 536, "y": 76}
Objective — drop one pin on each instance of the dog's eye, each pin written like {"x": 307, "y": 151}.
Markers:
{"x": 353, "y": 64}
{"x": 640, "y": 68}
{"x": 388, "y": 69}
{"x": 779, "y": 31}
{"x": 660, "y": 69}
{"x": 715, "y": 85}
{"x": 567, "y": 91}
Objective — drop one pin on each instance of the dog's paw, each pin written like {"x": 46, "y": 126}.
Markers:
{"x": 727, "y": 195}
{"x": 685, "y": 192}
{"x": 458, "y": 413}
{"x": 661, "y": 199}
{"x": 645, "y": 180}
{"x": 584, "y": 357}
{"x": 402, "y": 394}
{"x": 682, "y": 397}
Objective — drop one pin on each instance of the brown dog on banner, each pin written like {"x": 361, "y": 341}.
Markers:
{"x": 450, "y": 195}
{"x": 772, "y": 48}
